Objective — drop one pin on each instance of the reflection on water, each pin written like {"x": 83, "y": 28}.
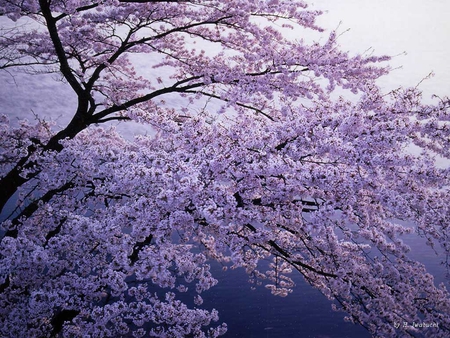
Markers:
{"x": 257, "y": 313}
{"x": 303, "y": 313}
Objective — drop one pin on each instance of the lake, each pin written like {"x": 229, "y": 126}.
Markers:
{"x": 304, "y": 313}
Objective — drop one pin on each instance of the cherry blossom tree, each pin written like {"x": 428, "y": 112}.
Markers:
{"x": 255, "y": 158}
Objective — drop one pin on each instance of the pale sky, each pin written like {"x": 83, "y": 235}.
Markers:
{"x": 421, "y": 28}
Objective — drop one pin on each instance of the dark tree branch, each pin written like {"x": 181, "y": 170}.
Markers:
{"x": 60, "y": 317}
{"x": 34, "y": 205}
{"x": 59, "y": 49}
{"x": 285, "y": 255}
{"x": 173, "y": 89}
{"x": 138, "y": 248}
{"x": 259, "y": 111}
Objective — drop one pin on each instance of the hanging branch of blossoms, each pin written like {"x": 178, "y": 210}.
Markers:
{"x": 254, "y": 159}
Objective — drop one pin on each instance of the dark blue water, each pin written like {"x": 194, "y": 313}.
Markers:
{"x": 303, "y": 313}
{"x": 257, "y": 313}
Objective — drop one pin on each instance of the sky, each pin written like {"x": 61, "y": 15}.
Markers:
{"x": 419, "y": 28}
